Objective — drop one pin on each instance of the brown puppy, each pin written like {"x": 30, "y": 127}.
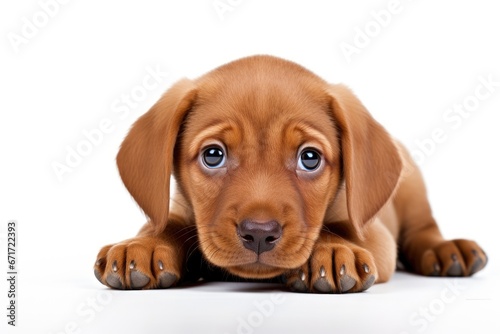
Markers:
{"x": 279, "y": 174}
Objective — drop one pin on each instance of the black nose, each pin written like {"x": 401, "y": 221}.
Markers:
{"x": 259, "y": 236}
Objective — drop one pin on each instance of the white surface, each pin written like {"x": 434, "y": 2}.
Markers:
{"x": 72, "y": 74}
{"x": 408, "y": 304}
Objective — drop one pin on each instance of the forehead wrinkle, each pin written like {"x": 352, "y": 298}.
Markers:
{"x": 280, "y": 130}
{"x": 216, "y": 132}
{"x": 311, "y": 133}
{"x": 261, "y": 117}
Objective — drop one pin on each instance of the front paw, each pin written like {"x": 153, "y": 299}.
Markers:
{"x": 453, "y": 258}
{"x": 334, "y": 268}
{"x": 138, "y": 263}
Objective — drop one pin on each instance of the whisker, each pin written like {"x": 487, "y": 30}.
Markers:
{"x": 196, "y": 247}
{"x": 327, "y": 230}
{"x": 177, "y": 236}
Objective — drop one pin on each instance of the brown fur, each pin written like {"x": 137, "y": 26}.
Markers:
{"x": 342, "y": 225}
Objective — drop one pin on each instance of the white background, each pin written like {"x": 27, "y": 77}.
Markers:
{"x": 66, "y": 78}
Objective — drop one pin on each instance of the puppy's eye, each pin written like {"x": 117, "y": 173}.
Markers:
{"x": 213, "y": 157}
{"x": 309, "y": 160}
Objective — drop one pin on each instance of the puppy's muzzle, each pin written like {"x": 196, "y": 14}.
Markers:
{"x": 259, "y": 236}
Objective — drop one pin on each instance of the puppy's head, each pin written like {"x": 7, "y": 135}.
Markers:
{"x": 260, "y": 148}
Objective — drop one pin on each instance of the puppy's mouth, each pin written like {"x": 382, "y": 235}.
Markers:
{"x": 247, "y": 264}
{"x": 259, "y": 250}
{"x": 256, "y": 270}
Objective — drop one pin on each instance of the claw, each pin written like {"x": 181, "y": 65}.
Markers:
{"x": 347, "y": 283}
{"x": 476, "y": 266}
{"x": 322, "y": 271}
{"x": 436, "y": 271}
{"x": 322, "y": 285}
{"x": 366, "y": 268}
{"x": 167, "y": 280}
{"x": 97, "y": 275}
{"x": 114, "y": 266}
{"x": 369, "y": 282}
{"x": 455, "y": 269}
{"x": 114, "y": 281}
{"x": 138, "y": 280}
{"x": 342, "y": 270}
{"x": 298, "y": 286}
{"x": 302, "y": 276}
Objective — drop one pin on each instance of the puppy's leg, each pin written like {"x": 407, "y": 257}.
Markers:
{"x": 147, "y": 261}
{"x": 422, "y": 248}
{"x": 341, "y": 262}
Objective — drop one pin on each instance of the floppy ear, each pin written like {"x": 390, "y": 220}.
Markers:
{"x": 146, "y": 154}
{"x": 371, "y": 162}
